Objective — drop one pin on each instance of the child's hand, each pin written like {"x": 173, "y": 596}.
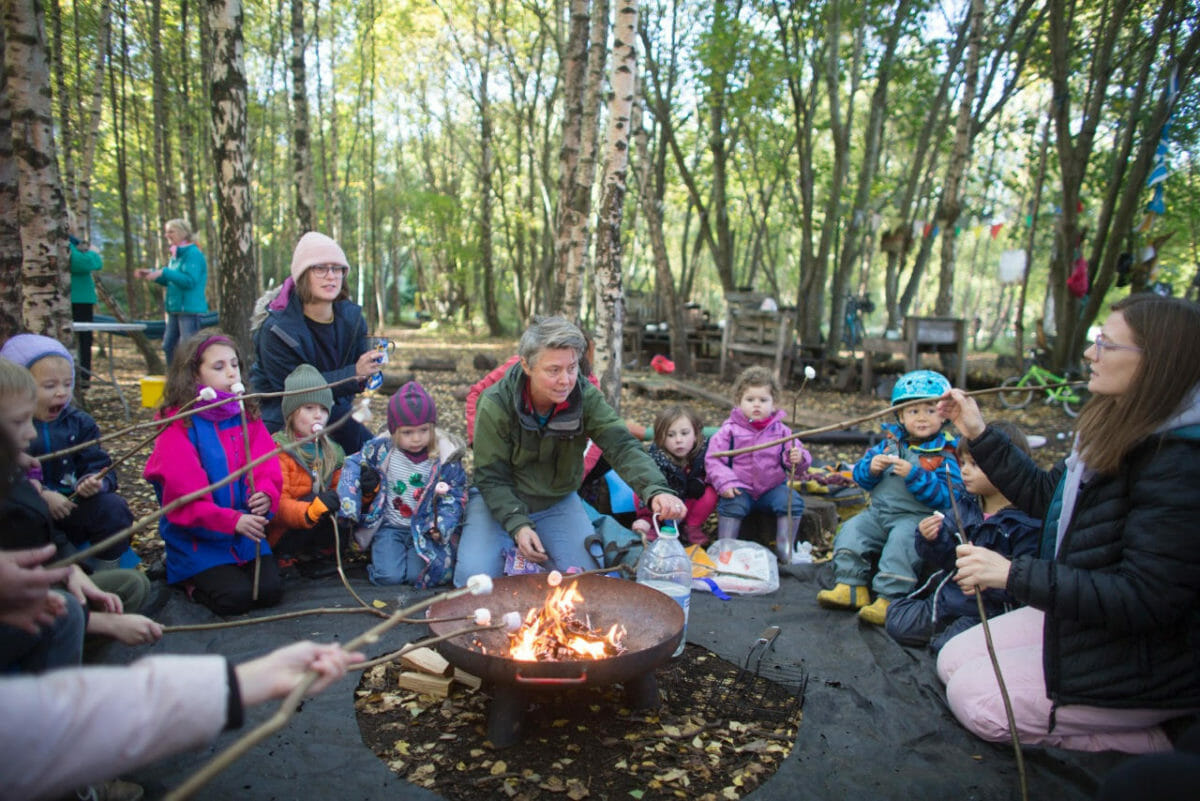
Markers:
{"x": 368, "y": 480}
{"x": 128, "y": 629}
{"x": 259, "y": 503}
{"x": 901, "y": 467}
{"x": 60, "y": 507}
{"x": 931, "y": 526}
{"x": 83, "y": 588}
{"x": 89, "y": 485}
{"x": 879, "y": 464}
{"x": 730, "y": 492}
{"x": 795, "y": 455}
{"x": 252, "y": 526}
{"x": 325, "y": 504}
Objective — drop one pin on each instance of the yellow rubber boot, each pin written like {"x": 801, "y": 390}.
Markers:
{"x": 876, "y": 613}
{"x": 844, "y": 596}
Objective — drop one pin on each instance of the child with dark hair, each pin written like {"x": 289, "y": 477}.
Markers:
{"x": 939, "y": 609}
{"x": 84, "y": 505}
{"x": 678, "y": 450}
{"x": 212, "y": 542}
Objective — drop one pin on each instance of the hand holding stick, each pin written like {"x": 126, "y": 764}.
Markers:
{"x": 239, "y": 389}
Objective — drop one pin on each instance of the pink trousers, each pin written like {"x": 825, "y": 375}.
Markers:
{"x": 974, "y": 696}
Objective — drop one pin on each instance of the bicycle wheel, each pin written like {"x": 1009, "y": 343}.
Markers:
{"x": 1016, "y": 398}
{"x": 1075, "y": 400}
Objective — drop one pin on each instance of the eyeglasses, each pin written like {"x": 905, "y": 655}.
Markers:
{"x": 1103, "y": 343}
{"x": 326, "y": 270}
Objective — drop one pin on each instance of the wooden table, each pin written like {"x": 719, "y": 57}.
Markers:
{"x": 110, "y": 329}
{"x": 921, "y": 334}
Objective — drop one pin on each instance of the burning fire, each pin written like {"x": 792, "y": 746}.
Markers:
{"x": 554, "y": 633}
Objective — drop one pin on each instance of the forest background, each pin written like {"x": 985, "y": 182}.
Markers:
{"x": 484, "y": 161}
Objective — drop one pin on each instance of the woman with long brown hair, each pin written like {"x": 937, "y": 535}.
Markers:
{"x": 1108, "y": 645}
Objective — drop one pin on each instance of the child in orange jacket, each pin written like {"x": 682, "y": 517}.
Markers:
{"x": 310, "y": 471}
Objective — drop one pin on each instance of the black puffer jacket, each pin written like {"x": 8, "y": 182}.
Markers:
{"x": 1122, "y": 597}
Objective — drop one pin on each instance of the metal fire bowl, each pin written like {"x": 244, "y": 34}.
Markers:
{"x": 653, "y": 624}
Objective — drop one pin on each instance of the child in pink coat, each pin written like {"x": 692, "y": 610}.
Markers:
{"x": 212, "y": 542}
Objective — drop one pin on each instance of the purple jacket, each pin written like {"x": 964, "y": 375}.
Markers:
{"x": 756, "y": 472}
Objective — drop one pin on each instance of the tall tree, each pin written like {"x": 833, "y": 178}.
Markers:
{"x": 237, "y": 272}
{"x": 571, "y": 228}
{"x": 302, "y": 177}
{"x": 41, "y": 210}
{"x": 10, "y": 229}
{"x": 610, "y": 306}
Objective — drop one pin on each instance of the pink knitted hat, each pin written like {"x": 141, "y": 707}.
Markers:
{"x": 410, "y": 406}
{"x": 314, "y": 248}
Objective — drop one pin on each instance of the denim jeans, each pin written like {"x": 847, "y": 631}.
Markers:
{"x": 58, "y": 645}
{"x": 394, "y": 558}
{"x": 562, "y": 528}
{"x": 180, "y": 326}
{"x": 773, "y": 501}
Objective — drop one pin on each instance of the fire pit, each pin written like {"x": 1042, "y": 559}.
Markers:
{"x": 653, "y": 624}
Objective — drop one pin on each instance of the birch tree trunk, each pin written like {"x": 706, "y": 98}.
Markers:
{"x": 610, "y": 310}
{"x": 237, "y": 272}
{"x": 164, "y": 170}
{"x": 950, "y": 207}
{"x": 65, "y": 145}
{"x": 302, "y": 177}
{"x": 491, "y": 309}
{"x": 91, "y": 133}
{"x": 10, "y": 231}
{"x": 41, "y": 212}
{"x": 572, "y": 220}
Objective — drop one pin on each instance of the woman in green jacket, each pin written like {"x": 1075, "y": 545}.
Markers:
{"x": 184, "y": 276}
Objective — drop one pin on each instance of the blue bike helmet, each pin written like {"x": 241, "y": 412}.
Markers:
{"x": 919, "y": 384}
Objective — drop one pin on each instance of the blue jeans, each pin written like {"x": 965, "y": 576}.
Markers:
{"x": 180, "y": 326}
{"x": 58, "y": 645}
{"x": 773, "y": 501}
{"x": 562, "y": 528}
{"x": 394, "y": 558}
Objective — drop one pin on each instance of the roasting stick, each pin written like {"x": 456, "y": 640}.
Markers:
{"x": 991, "y": 649}
{"x": 809, "y": 372}
{"x": 183, "y": 500}
{"x": 239, "y": 389}
{"x": 874, "y": 415}
{"x": 511, "y": 622}
{"x": 177, "y": 416}
{"x": 229, "y": 624}
{"x": 476, "y": 585}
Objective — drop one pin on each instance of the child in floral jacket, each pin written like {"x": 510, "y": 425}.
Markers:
{"x": 411, "y": 485}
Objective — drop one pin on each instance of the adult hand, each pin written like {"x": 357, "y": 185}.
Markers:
{"x": 368, "y": 364}
{"x": 252, "y": 526}
{"x": 281, "y": 671}
{"x": 259, "y": 503}
{"x": 60, "y": 507}
{"x": 730, "y": 492}
{"x": 530, "y": 544}
{"x": 980, "y": 567}
{"x": 89, "y": 485}
{"x": 667, "y": 506}
{"x": 962, "y": 410}
{"x": 22, "y": 581}
{"x": 929, "y": 527}
{"x": 128, "y": 629}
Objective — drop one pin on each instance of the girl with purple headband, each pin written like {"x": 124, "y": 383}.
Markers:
{"x": 212, "y": 541}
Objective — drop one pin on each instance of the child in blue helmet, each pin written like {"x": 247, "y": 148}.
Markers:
{"x": 906, "y": 476}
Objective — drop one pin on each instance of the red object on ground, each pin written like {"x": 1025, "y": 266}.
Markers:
{"x": 662, "y": 364}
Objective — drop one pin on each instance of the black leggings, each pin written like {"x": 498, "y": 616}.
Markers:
{"x": 227, "y": 589}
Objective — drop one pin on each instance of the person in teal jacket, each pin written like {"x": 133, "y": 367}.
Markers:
{"x": 83, "y": 262}
{"x": 184, "y": 276}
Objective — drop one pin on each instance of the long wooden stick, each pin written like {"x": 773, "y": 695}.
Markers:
{"x": 178, "y": 415}
{"x": 250, "y": 621}
{"x": 292, "y": 702}
{"x": 991, "y": 649}
{"x": 873, "y": 415}
{"x": 183, "y": 500}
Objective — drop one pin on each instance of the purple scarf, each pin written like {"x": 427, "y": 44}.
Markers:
{"x": 221, "y": 409}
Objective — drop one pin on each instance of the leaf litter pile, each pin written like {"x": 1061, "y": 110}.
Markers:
{"x": 719, "y": 733}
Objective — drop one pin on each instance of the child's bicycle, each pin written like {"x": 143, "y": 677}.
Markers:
{"x": 1018, "y": 391}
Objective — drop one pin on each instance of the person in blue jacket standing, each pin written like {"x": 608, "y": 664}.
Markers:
{"x": 185, "y": 277}
{"x": 311, "y": 320}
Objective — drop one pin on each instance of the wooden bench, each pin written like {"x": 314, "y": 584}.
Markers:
{"x": 758, "y": 337}
{"x": 921, "y": 335}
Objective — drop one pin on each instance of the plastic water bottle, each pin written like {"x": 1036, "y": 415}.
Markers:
{"x": 666, "y": 567}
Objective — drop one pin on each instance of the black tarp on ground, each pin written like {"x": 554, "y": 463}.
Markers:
{"x": 875, "y": 723}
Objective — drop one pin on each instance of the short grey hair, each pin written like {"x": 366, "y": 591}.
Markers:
{"x": 550, "y": 333}
{"x": 181, "y": 225}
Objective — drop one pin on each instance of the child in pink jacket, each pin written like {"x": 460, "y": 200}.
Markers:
{"x": 212, "y": 542}
{"x": 756, "y": 480}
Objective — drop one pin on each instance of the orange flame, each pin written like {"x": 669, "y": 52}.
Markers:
{"x": 555, "y": 633}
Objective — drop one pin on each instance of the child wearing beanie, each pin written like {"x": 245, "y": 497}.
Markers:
{"x": 310, "y": 472}
{"x": 411, "y": 484}
{"x": 84, "y": 506}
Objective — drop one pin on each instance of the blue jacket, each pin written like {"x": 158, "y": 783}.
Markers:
{"x": 71, "y": 427}
{"x": 926, "y": 483}
{"x": 185, "y": 277}
{"x": 1010, "y": 533}
{"x": 283, "y": 343}
{"x": 438, "y": 554}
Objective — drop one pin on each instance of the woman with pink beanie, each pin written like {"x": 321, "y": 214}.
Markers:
{"x": 313, "y": 321}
